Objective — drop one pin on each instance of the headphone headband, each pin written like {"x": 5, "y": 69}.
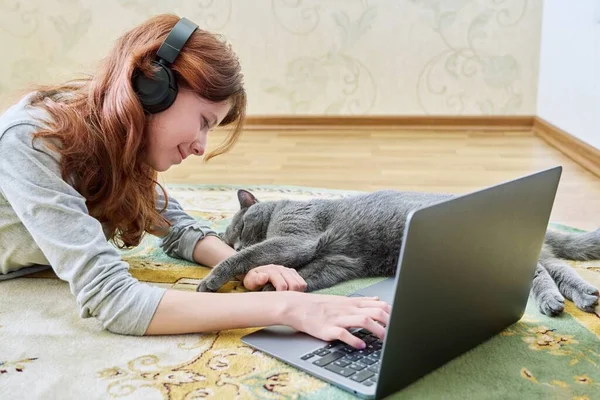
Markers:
{"x": 176, "y": 39}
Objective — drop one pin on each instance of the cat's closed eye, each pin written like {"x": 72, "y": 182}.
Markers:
{"x": 237, "y": 241}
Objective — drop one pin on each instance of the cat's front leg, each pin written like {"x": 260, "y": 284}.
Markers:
{"x": 217, "y": 277}
{"x": 571, "y": 285}
{"x": 545, "y": 293}
{"x": 290, "y": 252}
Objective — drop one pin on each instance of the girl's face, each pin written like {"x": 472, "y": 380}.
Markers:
{"x": 181, "y": 130}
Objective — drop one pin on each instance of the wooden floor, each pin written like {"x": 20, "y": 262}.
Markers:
{"x": 455, "y": 162}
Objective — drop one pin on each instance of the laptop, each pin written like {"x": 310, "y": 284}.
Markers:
{"x": 464, "y": 274}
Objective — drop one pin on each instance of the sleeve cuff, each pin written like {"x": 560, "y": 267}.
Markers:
{"x": 181, "y": 240}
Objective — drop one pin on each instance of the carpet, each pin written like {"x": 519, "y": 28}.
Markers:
{"x": 48, "y": 352}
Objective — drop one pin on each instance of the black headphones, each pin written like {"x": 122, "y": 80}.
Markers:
{"x": 157, "y": 93}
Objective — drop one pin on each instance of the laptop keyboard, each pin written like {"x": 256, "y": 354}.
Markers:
{"x": 360, "y": 366}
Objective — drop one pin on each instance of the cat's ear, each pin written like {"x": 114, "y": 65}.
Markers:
{"x": 246, "y": 198}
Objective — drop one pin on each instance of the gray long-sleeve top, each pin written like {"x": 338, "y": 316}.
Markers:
{"x": 45, "y": 221}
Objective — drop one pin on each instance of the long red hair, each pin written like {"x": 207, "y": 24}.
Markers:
{"x": 101, "y": 125}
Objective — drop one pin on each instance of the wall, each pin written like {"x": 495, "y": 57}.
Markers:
{"x": 311, "y": 57}
{"x": 569, "y": 77}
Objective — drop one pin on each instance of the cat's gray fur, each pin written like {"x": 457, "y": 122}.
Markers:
{"x": 330, "y": 241}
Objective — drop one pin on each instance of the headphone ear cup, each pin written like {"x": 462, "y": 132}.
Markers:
{"x": 156, "y": 93}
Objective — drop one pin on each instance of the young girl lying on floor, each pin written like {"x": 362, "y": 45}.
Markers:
{"x": 79, "y": 167}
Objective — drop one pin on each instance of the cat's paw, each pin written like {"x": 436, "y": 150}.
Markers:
{"x": 546, "y": 294}
{"x": 585, "y": 296}
{"x": 218, "y": 277}
{"x": 203, "y": 286}
{"x": 551, "y": 303}
{"x": 207, "y": 284}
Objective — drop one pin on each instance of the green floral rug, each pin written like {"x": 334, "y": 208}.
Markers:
{"x": 47, "y": 351}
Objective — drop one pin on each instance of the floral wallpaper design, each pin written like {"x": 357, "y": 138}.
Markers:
{"x": 335, "y": 82}
{"x": 470, "y": 75}
{"x": 416, "y": 57}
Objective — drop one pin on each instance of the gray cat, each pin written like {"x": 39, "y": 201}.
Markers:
{"x": 330, "y": 241}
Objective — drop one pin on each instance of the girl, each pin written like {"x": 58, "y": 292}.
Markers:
{"x": 78, "y": 167}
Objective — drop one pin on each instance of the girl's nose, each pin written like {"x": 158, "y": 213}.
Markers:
{"x": 197, "y": 149}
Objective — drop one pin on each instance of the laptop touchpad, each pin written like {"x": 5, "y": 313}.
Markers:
{"x": 383, "y": 289}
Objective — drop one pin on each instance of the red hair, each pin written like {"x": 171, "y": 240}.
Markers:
{"x": 101, "y": 125}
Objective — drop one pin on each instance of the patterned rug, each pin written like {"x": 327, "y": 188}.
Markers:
{"x": 47, "y": 351}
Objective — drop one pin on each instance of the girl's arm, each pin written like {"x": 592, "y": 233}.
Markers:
{"x": 326, "y": 317}
{"x": 323, "y": 316}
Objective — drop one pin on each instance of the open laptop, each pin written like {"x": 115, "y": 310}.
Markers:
{"x": 464, "y": 274}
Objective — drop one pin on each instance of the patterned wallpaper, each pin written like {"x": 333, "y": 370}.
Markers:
{"x": 411, "y": 57}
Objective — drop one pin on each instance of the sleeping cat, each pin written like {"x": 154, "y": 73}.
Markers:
{"x": 331, "y": 241}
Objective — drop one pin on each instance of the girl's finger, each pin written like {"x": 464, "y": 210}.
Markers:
{"x": 255, "y": 280}
{"x": 377, "y": 314}
{"x": 382, "y": 305}
{"x": 362, "y": 321}
{"x": 295, "y": 281}
{"x": 277, "y": 280}
{"x": 345, "y": 336}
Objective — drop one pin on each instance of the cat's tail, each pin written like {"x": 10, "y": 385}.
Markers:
{"x": 575, "y": 246}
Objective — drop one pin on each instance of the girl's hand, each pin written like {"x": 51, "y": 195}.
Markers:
{"x": 280, "y": 277}
{"x": 328, "y": 317}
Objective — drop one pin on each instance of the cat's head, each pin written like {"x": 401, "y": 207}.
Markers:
{"x": 249, "y": 224}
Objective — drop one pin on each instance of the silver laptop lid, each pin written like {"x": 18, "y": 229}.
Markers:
{"x": 465, "y": 271}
